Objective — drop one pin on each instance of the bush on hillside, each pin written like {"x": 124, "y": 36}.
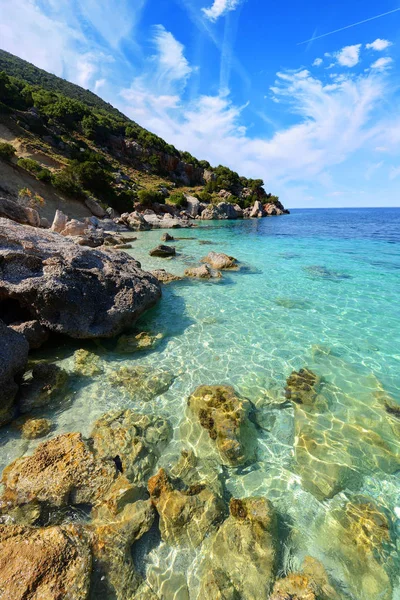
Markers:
{"x": 35, "y": 168}
{"x": 178, "y": 199}
{"x": 7, "y": 151}
{"x": 67, "y": 181}
{"x": 149, "y": 197}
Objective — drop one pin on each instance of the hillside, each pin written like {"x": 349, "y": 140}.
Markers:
{"x": 71, "y": 140}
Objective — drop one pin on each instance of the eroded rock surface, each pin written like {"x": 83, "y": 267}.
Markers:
{"x": 127, "y": 344}
{"x": 68, "y": 288}
{"x": 164, "y": 277}
{"x": 141, "y": 383}
{"x": 220, "y": 261}
{"x": 13, "y": 356}
{"x": 224, "y": 417}
{"x": 32, "y": 429}
{"x": 302, "y": 387}
{"x": 202, "y": 272}
{"x": 34, "y": 333}
{"x": 241, "y": 560}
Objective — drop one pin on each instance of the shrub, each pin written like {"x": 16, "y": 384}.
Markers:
{"x": 149, "y": 197}
{"x": 29, "y": 198}
{"x": 178, "y": 199}
{"x": 67, "y": 181}
{"x": 205, "y": 197}
{"x": 34, "y": 167}
{"x": 7, "y": 151}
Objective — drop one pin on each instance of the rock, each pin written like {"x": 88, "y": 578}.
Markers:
{"x": 13, "y": 356}
{"x": 391, "y": 406}
{"x": 293, "y": 587}
{"x": 114, "y": 574}
{"x": 228, "y": 209}
{"x": 69, "y": 289}
{"x": 35, "y": 428}
{"x": 137, "y": 440}
{"x": 135, "y": 221}
{"x": 203, "y": 272}
{"x": 59, "y": 222}
{"x": 48, "y": 381}
{"x": 61, "y": 471}
{"x": 220, "y": 261}
{"x": 163, "y": 251}
{"x": 166, "y": 237}
{"x": 95, "y": 207}
{"x": 225, "y": 418}
{"x": 52, "y": 563}
{"x": 87, "y": 363}
{"x": 187, "y": 516}
{"x": 17, "y": 212}
{"x": 257, "y": 211}
{"x": 128, "y": 344}
{"x": 74, "y": 228}
{"x": 44, "y": 223}
{"x": 165, "y": 277}
{"x": 141, "y": 383}
{"x": 241, "y": 559}
{"x": 192, "y": 206}
{"x": 33, "y": 332}
{"x": 302, "y": 387}
{"x": 213, "y": 212}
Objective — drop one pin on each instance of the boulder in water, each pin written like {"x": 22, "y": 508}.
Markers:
{"x": 13, "y": 356}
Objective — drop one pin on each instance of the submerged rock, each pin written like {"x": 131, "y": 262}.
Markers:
{"x": 224, "y": 415}
{"x": 220, "y": 261}
{"x": 311, "y": 584}
{"x": 13, "y": 356}
{"x": 203, "y": 272}
{"x": 68, "y": 288}
{"x": 35, "y": 428}
{"x": 186, "y": 516}
{"x": 141, "y": 383}
{"x": 87, "y": 363}
{"x": 61, "y": 471}
{"x": 44, "y": 563}
{"x": 163, "y": 251}
{"x": 48, "y": 381}
{"x": 165, "y": 277}
{"x": 136, "y": 440}
{"x": 128, "y": 344}
{"x": 302, "y": 387}
{"x": 241, "y": 558}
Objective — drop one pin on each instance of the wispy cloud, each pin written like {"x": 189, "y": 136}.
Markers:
{"x": 378, "y": 45}
{"x": 318, "y": 37}
{"x": 382, "y": 63}
{"x": 349, "y": 55}
{"x": 317, "y": 62}
{"x": 220, "y": 8}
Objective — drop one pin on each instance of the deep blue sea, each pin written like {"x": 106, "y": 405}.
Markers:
{"x": 317, "y": 289}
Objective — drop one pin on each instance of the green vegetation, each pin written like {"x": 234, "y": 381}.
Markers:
{"x": 149, "y": 197}
{"x": 7, "y": 151}
{"x": 178, "y": 199}
{"x": 35, "y": 168}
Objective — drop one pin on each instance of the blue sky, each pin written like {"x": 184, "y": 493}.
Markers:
{"x": 232, "y": 82}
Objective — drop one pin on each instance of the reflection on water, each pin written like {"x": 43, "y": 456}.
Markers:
{"x": 328, "y": 458}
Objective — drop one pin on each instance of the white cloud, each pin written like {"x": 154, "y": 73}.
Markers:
{"x": 317, "y": 62}
{"x": 220, "y": 8}
{"x": 382, "y": 63}
{"x": 172, "y": 63}
{"x": 378, "y": 45}
{"x": 349, "y": 55}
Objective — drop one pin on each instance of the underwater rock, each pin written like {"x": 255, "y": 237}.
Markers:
{"x": 302, "y": 387}
{"x": 35, "y": 334}
{"x": 311, "y": 584}
{"x": 128, "y": 344}
{"x": 186, "y": 516}
{"x": 203, "y": 272}
{"x": 137, "y": 440}
{"x": 46, "y": 383}
{"x": 224, "y": 415}
{"x": 70, "y": 289}
{"x": 35, "y": 428}
{"x": 191, "y": 471}
{"x": 13, "y": 356}
{"x": 241, "y": 560}
{"x": 61, "y": 471}
{"x": 87, "y": 363}
{"x": 163, "y": 251}
{"x": 318, "y": 271}
{"x": 164, "y": 277}
{"x": 44, "y": 563}
{"x": 114, "y": 574}
{"x": 141, "y": 383}
{"x": 391, "y": 406}
{"x": 220, "y": 261}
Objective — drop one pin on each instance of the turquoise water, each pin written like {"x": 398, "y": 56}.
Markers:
{"x": 316, "y": 289}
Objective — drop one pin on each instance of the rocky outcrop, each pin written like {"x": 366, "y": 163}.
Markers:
{"x": 13, "y": 356}
{"x": 44, "y": 563}
{"x": 68, "y": 289}
{"x": 164, "y": 277}
{"x": 203, "y": 272}
{"x": 162, "y": 251}
{"x": 186, "y": 516}
{"x": 136, "y": 439}
{"x": 224, "y": 417}
{"x": 220, "y": 261}
{"x": 19, "y": 213}
{"x": 33, "y": 332}
{"x": 75, "y": 228}
{"x": 95, "y": 208}
{"x": 257, "y": 211}
{"x": 221, "y": 211}
{"x": 140, "y": 382}
{"x": 241, "y": 559}
{"x": 59, "y": 222}
{"x": 135, "y": 221}
{"x": 193, "y": 206}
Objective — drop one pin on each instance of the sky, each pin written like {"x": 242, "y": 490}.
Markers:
{"x": 303, "y": 95}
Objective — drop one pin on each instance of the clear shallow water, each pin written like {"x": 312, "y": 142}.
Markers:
{"x": 318, "y": 289}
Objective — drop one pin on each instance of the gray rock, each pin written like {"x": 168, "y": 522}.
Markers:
{"x": 59, "y": 222}
{"x": 257, "y": 211}
{"x": 193, "y": 206}
{"x": 13, "y": 356}
{"x": 69, "y": 289}
{"x": 228, "y": 209}
{"x": 33, "y": 331}
{"x": 163, "y": 251}
{"x": 17, "y": 212}
{"x": 219, "y": 260}
{"x": 166, "y": 237}
{"x": 95, "y": 208}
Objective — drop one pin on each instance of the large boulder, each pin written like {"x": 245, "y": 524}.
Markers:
{"x": 163, "y": 251}
{"x": 17, "y": 212}
{"x": 135, "y": 221}
{"x": 242, "y": 557}
{"x": 213, "y": 212}
{"x": 95, "y": 208}
{"x": 164, "y": 277}
{"x": 49, "y": 563}
{"x": 75, "y": 228}
{"x": 202, "y": 272}
{"x": 220, "y": 261}
{"x": 228, "y": 209}
{"x": 257, "y": 211}
{"x": 13, "y": 356}
{"x": 192, "y": 206}
{"x": 69, "y": 289}
{"x": 59, "y": 222}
